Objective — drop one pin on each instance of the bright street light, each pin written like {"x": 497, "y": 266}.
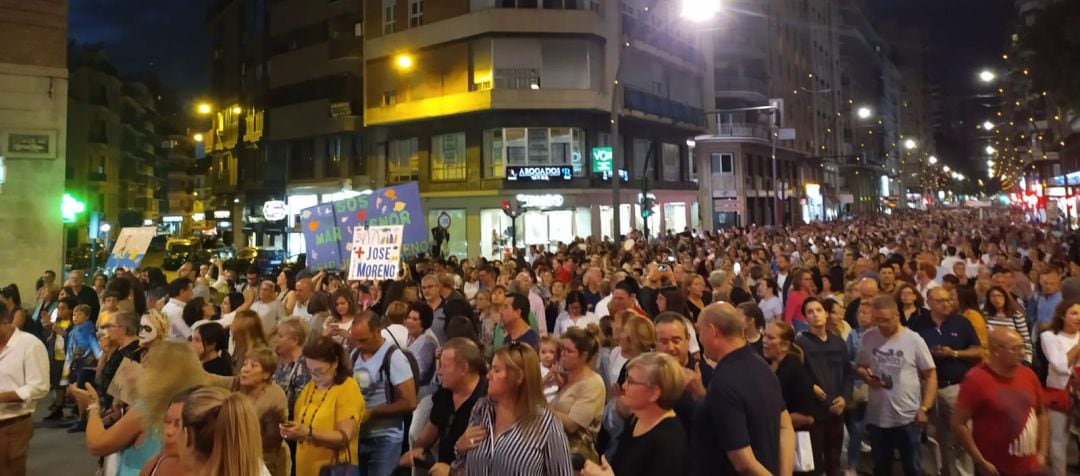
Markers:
{"x": 404, "y": 62}
{"x": 105, "y": 227}
{"x": 198, "y": 137}
{"x": 946, "y": 169}
{"x": 990, "y": 150}
{"x": 990, "y": 163}
{"x": 932, "y": 160}
{"x": 910, "y": 144}
{"x": 700, "y": 10}
{"x": 987, "y": 76}
{"x": 988, "y": 125}
{"x": 203, "y": 108}
{"x": 864, "y": 112}
{"x": 237, "y": 110}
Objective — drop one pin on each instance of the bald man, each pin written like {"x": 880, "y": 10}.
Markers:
{"x": 868, "y": 290}
{"x": 742, "y": 426}
{"x": 1003, "y": 402}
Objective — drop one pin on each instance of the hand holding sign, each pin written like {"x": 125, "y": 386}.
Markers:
{"x": 376, "y": 252}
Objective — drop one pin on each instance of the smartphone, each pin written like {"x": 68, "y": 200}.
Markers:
{"x": 424, "y": 462}
{"x": 663, "y": 268}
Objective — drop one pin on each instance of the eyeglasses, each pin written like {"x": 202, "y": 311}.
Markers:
{"x": 317, "y": 371}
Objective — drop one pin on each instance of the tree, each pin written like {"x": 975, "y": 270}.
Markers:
{"x": 1053, "y": 40}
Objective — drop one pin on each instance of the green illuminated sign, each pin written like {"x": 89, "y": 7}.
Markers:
{"x": 601, "y": 159}
{"x": 70, "y": 208}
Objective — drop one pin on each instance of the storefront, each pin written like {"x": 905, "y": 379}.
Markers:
{"x": 481, "y": 228}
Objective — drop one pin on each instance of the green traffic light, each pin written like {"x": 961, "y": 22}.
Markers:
{"x": 70, "y": 207}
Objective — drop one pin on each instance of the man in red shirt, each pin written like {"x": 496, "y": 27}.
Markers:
{"x": 1010, "y": 430}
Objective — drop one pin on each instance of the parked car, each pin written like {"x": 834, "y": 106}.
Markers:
{"x": 295, "y": 263}
{"x": 266, "y": 259}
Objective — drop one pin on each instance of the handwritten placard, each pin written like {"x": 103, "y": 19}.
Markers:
{"x": 375, "y": 252}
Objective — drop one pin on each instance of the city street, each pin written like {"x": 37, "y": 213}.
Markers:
{"x": 55, "y": 452}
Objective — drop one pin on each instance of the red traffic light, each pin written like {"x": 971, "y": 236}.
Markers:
{"x": 505, "y": 204}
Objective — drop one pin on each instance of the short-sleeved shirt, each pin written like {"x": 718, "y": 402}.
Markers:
{"x": 373, "y": 385}
{"x": 955, "y": 333}
{"x": 452, "y": 422}
{"x": 583, "y": 401}
{"x": 530, "y": 337}
{"x": 321, "y": 410}
{"x": 1004, "y": 416}
{"x": 742, "y": 409}
{"x": 898, "y": 360}
{"x": 662, "y": 450}
{"x": 772, "y": 307}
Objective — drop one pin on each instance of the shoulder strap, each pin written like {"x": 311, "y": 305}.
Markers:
{"x": 384, "y": 370}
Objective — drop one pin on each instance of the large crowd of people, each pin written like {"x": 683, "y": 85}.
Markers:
{"x": 942, "y": 342}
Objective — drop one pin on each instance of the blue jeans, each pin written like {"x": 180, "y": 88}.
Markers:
{"x": 885, "y": 442}
{"x": 856, "y": 427}
{"x": 379, "y": 455}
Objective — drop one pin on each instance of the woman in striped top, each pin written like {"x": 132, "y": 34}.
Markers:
{"x": 1002, "y": 310}
{"x": 511, "y": 431}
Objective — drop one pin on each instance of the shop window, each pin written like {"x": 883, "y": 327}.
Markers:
{"x": 448, "y": 157}
{"x": 494, "y": 232}
{"x": 458, "y": 243}
{"x": 403, "y": 163}
{"x": 532, "y": 146}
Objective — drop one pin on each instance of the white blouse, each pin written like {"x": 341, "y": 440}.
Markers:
{"x": 1056, "y": 347}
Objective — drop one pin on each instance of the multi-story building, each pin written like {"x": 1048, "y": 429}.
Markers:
{"x": 114, "y": 143}
{"x": 785, "y": 54}
{"x": 916, "y": 140}
{"x": 482, "y": 101}
{"x": 33, "y": 134}
{"x": 869, "y": 165}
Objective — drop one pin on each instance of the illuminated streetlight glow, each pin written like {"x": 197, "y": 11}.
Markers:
{"x": 990, "y": 163}
{"x": 946, "y": 169}
{"x": 237, "y": 110}
{"x": 987, "y": 76}
{"x": 864, "y": 112}
{"x": 988, "y": 125}
{"x": 203, "y": 108}
{"x": 700, "y": 10}
{"x": 990, "y": 150}
{"x": 932, "y": 160}
{"x": 198, "y": 137}
{"x": 403, "y": 62}
{"x": 910, "y": 144}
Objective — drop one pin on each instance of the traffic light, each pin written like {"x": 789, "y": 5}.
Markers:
{"x": 647, "y": 204}
{"x": 70, "y": 208}
{"x": 510, "y": 209}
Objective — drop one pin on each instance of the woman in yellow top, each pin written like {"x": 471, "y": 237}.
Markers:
{"x": 328, "y": 411}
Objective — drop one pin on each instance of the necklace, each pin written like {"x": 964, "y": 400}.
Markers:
{"x": 307, "y": 406}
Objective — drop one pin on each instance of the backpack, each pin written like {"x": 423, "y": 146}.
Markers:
{"x": 384, "y": 369}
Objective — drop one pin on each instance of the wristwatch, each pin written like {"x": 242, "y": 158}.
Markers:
{"x": 924, "y": 409}
{"x": 955, "y": 354}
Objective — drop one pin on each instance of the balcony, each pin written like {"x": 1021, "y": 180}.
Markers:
{"x": 348, "y": 47}
{"x": 662, "y": 40}
{"x": 651, "y": 104}
{"x": 741, "y": 87}
{"x": 744, "y": 131}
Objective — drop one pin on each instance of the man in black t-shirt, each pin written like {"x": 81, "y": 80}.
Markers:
{"x": 742, "y": 426}
{"x": 461, "y": 369}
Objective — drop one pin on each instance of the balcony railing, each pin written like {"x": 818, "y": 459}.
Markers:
{"x": 348, "y": 47}
{"x": 517, "y": 78}
{"x": 661, "y": 39}
{"x": 740, "y": 83}
{"x": 744, "y": 130}
{"x": 649, "y": 103}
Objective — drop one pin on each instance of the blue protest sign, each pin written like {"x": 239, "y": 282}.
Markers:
{"x": 328, "y": 228}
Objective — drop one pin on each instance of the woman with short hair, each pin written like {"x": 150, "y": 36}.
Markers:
{"x": 654, "y": 382}
{"x": 255, "y": 381}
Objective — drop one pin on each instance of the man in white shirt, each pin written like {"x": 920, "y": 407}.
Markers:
{"x": 924, "y": 279}
{"x": 602, "y": 306}
{"x": 24, "y": 379}
{"x": 304, "y": 288}
{"x": 179, "y": 294}
{"x": 269, "y": 308}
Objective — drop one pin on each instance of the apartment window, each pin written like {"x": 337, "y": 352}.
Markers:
{"x": 356, "y": 154}
{"x": 532, "y": 146}
{"x": 448, "y": 157}
{"x": 389, "y": 17}
{"x": 333, "y": 157}
{"x": 416, "y": 13}
{"x": 403, "y": 162}
{"x": 723, "y": 164}
{"x": 643, "y": 159}
{"x": 670, "y": 157}
{"x": 389, "y": 98}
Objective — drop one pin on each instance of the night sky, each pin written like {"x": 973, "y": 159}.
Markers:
{"x": 170, "y": 36}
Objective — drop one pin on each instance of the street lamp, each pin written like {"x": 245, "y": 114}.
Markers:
{"x": 932, "y": 160}
{"x": 105, "y": 227}
{"x": 946, "y": 169}
{"x": 990, "y": 150}
{"x": 864, "y": 112}
{"x": 237, "y": 110}
{"x": 910, "y": 144}
{"x": 988, "y": 125}
{"x": 204, "y": 108}
{"x": 700, "y": 10}
{"x": 404, "y": 62}
{"x": 987, "y": 76}
{"x": 198, "y": 137}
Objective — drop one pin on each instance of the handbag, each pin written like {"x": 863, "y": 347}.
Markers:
{"x": 804, "y": 452}
{"x": 337, "y": 468}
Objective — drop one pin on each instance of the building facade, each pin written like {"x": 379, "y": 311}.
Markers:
{"x": 482, "y": 102}
{"x": 33, "y": 135}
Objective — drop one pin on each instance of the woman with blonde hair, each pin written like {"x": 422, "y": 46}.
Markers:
{"x": 166, "y": 370}
{"x": 247, "y": 333}
{"x": 221, "y": 434}
{"x": 511, "y": 430}
{"x": 153, "y": 328}
{"x": 626, "y": 347}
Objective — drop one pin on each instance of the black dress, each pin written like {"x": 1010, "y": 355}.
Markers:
{"x": 663, "y": 451}
{"x": 219, "y": 365}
